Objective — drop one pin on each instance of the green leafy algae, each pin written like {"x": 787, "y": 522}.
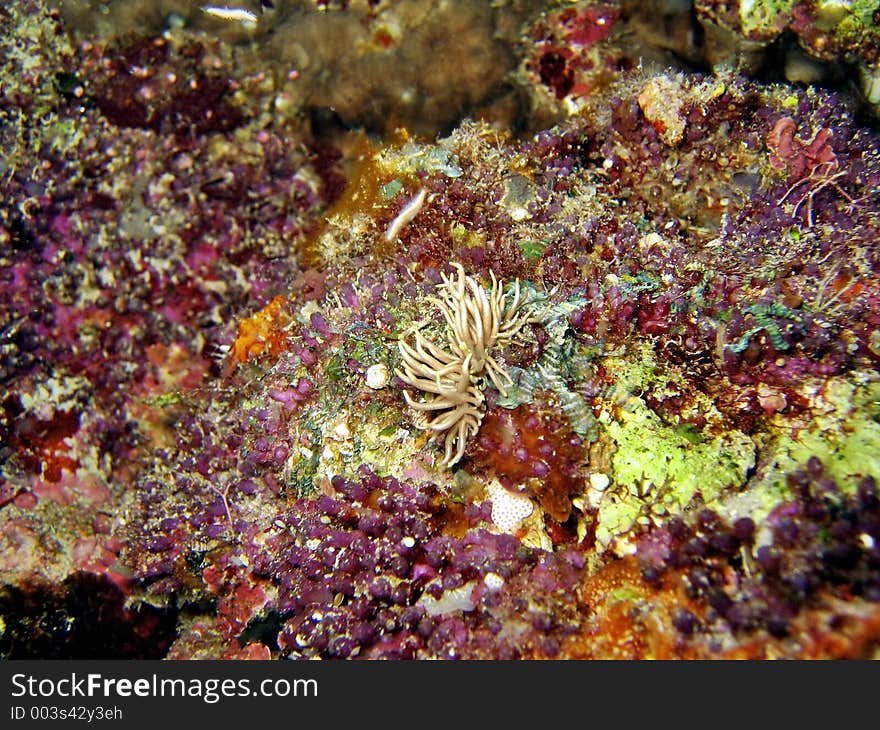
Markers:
{"x": 534, "y": 249}
{"x": 651, "y": 454}
{"x": 660, "y": 467}
{"x": 844, "y": 432}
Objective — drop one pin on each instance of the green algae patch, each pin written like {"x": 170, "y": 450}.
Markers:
{"x": 616, "y": 517}
{"x": 851, "y": 23}
{"x": 844, "y": 433}
{"x": 388, "y": 447}
{"x": 762, "y": 18}
{"x": 364, "y": 432}
{"x": 532, "y": 250}
{"x": 412, "y": 157}
{"x": 651, "y": 455}
{"x": 659, "y": 467}
{"x": 465, "y": 238}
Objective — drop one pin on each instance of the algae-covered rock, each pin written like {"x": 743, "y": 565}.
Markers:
{"x": 591, "y": 374}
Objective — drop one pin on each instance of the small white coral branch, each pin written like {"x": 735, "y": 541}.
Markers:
{"x": 476, "y": 323}
{"x": 406, "y": 215}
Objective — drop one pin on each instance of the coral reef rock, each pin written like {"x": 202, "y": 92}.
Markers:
{"x": 415, "y": 330}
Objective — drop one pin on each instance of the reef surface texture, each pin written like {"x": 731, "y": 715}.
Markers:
{"x": 435, "y": 330}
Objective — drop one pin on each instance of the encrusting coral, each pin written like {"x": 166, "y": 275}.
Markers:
{"x": 476, "y": 324}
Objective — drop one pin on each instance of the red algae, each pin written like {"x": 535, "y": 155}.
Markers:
{"x": 533, "y": 451}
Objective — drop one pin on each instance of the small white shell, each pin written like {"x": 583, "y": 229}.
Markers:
{"x": 870, "y": 78}
{"x": 599, "y": 481}
{"x": 377, "y": 376}
{"x": 493, "y": 582}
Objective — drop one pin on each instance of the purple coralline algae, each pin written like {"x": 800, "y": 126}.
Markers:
{"x": 231, "y": 314}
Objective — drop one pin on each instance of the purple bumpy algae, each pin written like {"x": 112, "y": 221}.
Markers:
{"x": 369, "y": 571}
{"x": 808, "y": 559}
{"x": 406, "y": 590}
{"x": 128, "y": 245}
